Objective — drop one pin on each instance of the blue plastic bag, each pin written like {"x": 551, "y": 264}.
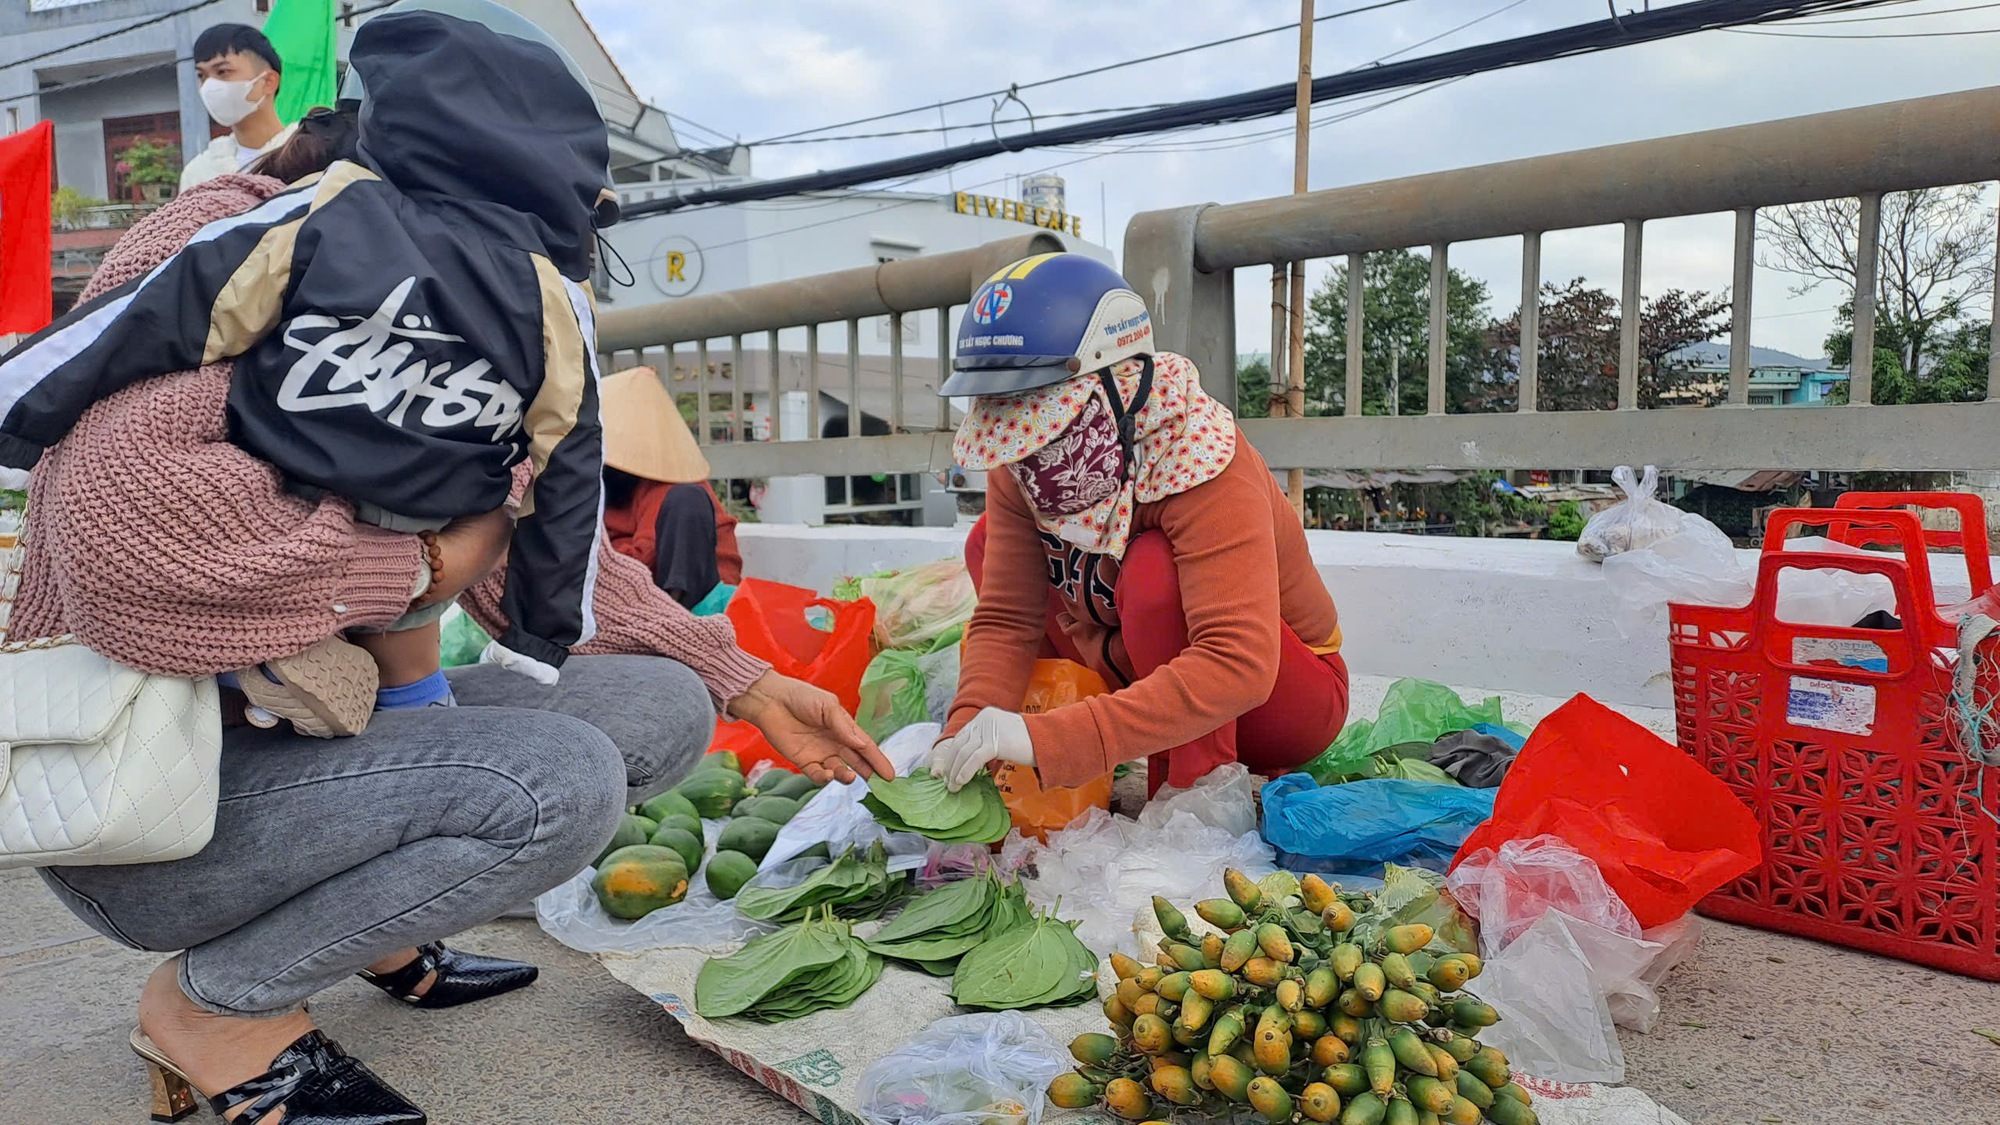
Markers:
{"x": 1507, "y": 735}
{"x": 716, "y": 601}
{"x": 1356, "y": 828}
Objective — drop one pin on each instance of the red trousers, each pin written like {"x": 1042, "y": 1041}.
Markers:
{"x": 1302, "y": 717}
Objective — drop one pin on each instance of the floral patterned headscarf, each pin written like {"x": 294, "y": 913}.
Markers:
{"x": 1062, "y": 445}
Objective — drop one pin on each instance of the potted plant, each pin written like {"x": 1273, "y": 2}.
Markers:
{"x": 67, "y": 208}
{"x": 152, "y": 167}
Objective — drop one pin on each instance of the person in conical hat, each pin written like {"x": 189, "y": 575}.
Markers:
{"x": 658, "y": 505}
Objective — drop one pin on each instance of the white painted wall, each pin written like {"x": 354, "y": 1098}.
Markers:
{"x": 1523, "y": 615}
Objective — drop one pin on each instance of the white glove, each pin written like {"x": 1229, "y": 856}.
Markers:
{"x": 993, "y": 735}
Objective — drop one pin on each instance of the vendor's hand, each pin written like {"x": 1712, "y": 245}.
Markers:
{"x": 471, "y": 547}
{"x": 810, "y": 728}
{"x": 993, "y": 735}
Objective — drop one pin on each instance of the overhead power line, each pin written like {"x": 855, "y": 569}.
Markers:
{"x": 1579, "y": 39}
{"x": 930, "y": 107}
{"x": 133, "y": 26}
{"x": 1869, "y": 34}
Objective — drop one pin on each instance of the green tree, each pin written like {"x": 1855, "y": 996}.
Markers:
{"x": 1934, "y": 260}
{"x": 1253, "y": 389}
{"x": 1396, "y": 312}
{"x": 1577, "y": 349}
{"x": 1952, "y": 360}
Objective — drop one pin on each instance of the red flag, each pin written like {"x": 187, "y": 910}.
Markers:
{"x": 27, "y": 290}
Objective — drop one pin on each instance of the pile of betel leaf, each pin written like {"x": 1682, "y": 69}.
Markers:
{"x": 934, "y": 931}
{"x": 921, "y": 803}
{"x": 855, "y": 886}
{"x": 1040, "y": 964}
{"x": 808, "y": 967}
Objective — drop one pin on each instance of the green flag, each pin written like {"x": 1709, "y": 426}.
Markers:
{"x": 303, "y": 33}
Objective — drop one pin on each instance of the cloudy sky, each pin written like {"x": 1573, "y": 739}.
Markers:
{"x": 755, "y": 69}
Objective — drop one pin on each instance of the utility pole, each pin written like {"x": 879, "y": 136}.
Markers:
{"x": 1396, "y": 380}
{"x": 1295, "y": 390}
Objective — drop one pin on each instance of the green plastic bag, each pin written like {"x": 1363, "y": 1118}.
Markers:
{"x": 1413, "y": 711}
{"x": 896, "y": 690}
{"x": 463, "y": 640}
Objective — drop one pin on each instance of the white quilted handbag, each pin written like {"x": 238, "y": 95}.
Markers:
{"x": 100, "y": 763}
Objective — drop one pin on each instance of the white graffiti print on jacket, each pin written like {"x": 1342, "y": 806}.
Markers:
{"x": 388, "y": 361}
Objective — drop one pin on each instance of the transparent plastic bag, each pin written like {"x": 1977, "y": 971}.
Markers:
{"x": 915, "y": 607}
{"x": 1555, "y": 1022}
{"x": 1509, "y": 890}
{"x": 835, "y": 816}
{"x": 1224, "y": 798}
{"x": 1515, "y": 891}
{"x": 1106, "y": 869}
{"x": 1695, "y": 566}
{"x": 570, "y": 914}
{"x": 1632, "y": 524}
{"x": 987, "y": 1069}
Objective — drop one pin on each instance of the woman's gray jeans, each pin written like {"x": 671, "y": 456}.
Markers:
{"x": 331, "y": 854}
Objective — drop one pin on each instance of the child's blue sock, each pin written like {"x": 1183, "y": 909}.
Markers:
{"x": 431, "y": 691}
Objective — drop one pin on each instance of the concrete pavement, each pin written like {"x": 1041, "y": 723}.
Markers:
{"x": 1757, "y": 1030}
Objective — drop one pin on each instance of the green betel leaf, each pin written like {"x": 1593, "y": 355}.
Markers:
{"x": 1034, "y": 965}
{"x": 730, "y": 985}
{"x": 919, "y": 802}
{"x": 940, "y": 912}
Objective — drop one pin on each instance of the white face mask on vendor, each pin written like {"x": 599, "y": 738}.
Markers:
{"x": 229, "y": 102}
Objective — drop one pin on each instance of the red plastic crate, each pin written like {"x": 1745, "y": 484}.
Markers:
{"x": 1878, "y": 831}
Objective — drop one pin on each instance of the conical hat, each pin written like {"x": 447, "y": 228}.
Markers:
{"x": 644, "y": 433}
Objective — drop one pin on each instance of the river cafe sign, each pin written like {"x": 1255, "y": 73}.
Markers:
{"x": 1047, "y": 218}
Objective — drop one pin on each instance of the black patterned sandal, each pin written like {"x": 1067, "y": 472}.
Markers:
{"x": 313, "y": 1081}
{"x": 461, "y": 977}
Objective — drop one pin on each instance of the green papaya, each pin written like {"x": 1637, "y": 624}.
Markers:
{"x": 712, "y": 792}
{"x": 633, "y": 882}
{"x": 794, "y": 785}
{"x": 667, "y": 804}
{"x": 777, "y": 810}
{"x": 817, "y": 851}
{"x": 687, "y": 846}
{"x": 727, "y": 872}
{"x": 771, "y": 779}
{"x": 749, "y": 835}
{"x": 686, "y": 822}
{"x": 727, "y": 759}
{"x": 631, "y": 830}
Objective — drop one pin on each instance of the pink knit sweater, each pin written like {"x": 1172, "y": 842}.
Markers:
{"x": 165, "y": 547}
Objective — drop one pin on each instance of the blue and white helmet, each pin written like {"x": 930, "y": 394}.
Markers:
{"x": 1043, "y": 320}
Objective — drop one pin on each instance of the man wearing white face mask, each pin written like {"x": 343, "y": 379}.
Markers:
{"x": 240, "y": 72}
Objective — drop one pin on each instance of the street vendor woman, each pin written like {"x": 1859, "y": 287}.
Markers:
{"x": 658, "y": 505}
{"x": 1133, "y": 531}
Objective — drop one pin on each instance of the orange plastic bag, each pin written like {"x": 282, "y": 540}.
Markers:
{"x": 770, "y": 620}
{"x": 1038, "y": 811}
{"x": 1663, "y": 830}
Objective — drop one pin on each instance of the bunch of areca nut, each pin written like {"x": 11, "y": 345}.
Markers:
{"x": 1309, "y": 1007}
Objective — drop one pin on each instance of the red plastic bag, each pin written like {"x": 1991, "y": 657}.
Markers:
{"x": 770, "y": 620}
{"x": 1038, "y": 811}
{"x": 1662, "y": 829}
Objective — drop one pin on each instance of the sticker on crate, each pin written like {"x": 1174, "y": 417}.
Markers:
{"x": 1831, "y": 705}
{"x": 1865, "y": 655}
